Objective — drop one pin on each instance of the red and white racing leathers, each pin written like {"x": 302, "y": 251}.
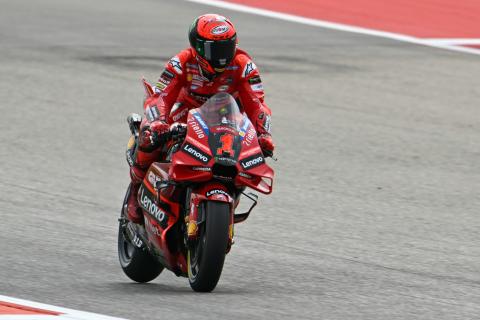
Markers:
{"x": 182, "y": 87}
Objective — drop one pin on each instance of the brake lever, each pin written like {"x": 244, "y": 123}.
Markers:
{"x": 270, "y": 154}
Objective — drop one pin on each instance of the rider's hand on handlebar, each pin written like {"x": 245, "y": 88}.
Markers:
{"x": 266, "y": 143}
{"x": 152, "y": 135}
{"x": 160, "y": 127}
{"x": 178, "y": 131}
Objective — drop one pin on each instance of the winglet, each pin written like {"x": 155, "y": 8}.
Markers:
{"x": 148, "y": 88}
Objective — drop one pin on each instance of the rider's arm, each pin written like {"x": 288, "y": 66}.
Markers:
{"x": 169, "y": 84}
{"x": 252, "y": 97}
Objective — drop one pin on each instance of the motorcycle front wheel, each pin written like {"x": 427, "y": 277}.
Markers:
{"x": 206, "y": 256}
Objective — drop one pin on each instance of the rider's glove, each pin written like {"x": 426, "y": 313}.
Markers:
{"x": 178, "y": 131}
{"x": 152, "y": 135}
{"x": 160, "y": 127}
{"x": 266, "y": 143}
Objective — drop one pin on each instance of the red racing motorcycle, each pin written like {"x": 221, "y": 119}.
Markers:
{"x": 189, "y": 200}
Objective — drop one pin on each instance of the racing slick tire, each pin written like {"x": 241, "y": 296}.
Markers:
{"x": 206, "y": 256}
{"x": 136, "y": 263}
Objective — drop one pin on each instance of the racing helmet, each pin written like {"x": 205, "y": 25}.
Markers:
{"x": 214, "y": 40}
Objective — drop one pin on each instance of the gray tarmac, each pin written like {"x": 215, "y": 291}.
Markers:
{"x": 374, "y": 214}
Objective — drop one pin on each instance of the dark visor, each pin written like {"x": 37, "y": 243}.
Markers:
{"x": 218, "y": 53}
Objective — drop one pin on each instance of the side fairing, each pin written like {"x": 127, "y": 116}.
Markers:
{"x": 192, "y": 160}
{"x": 252, "y": 168}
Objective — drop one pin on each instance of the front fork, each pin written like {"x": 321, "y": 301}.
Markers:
{"x": 195, "y": 213}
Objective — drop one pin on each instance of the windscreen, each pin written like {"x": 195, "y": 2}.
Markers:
{"x": 221, "y": 110}
{"x": 223, "y": 119}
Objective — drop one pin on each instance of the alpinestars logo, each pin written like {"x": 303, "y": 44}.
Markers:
{"x": 252, "y": 161}
{"x": 196, "y": 153}
{"x": 249, "y": 68}
{"x": 176, "y": 65}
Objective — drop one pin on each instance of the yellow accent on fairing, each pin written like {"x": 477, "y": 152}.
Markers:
{"x": 131, "y": 142}
{"x": 192, "y": 228}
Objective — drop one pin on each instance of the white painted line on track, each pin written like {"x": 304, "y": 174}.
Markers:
{"x": 336, "y": 26}
{"x": 453, "y": 41}
{"x": 64, "y": 313}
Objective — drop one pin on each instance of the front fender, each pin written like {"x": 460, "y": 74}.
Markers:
{"x": 211, "y": 191}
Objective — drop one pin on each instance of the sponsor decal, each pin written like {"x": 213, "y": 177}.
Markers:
{"x": 129, "y": 158}
{"x": 175, "y": 63}
{"x": 167, "y": 75}
{"x": 152, "y": 113}
{"x": 175, "y": 107}
{"x": 151, "y": 207}
{"x": 179, "y": 115}
{"x": 197, "y": 83}
{"x": 245, "y": 175}
{"x": 200, "y": 98}
{"x": 196, "y": 153}
{"x": 245, "y": 124}
{"x": 223, "y": 88}
{"x": 137, "y": 242}
{"x": 205, "y": 169}
{"x": 243, "y": 129}
{"x": 193, "y": 87}
{"x": 257, "y": 87}
{"x": 189, "y": 77}
{"x": 200, "y": 120}
{"x": 255, "y": 80}
{"x": 196, "y": 128}
{"x": 219, "y": 30}
{"x": 153, "y": 229}
{"x": 249, "y": 69}
{"x": 231, "y": 68}
{"x": 164, "y": 81}
{"x": 153, "y": 178}
{"x": 251, "y": 134}
{"x": 266, "y": 124}
{"x": 226, "y": 129}
{"x": 229, "y": 160}
{"x": 252, "y": 161}
{"x": 216, "y": 191}
{"x": 160, "y": 86}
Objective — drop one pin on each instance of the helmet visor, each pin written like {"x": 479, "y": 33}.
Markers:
{"x": 218, "y": 53}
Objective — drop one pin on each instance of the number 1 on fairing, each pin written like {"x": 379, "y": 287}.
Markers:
{"x": 227, "y": 143}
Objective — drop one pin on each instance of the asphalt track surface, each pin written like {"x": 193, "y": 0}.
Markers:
{"x": 375, "y": 209}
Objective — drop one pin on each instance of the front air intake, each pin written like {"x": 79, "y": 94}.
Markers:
{"x": 221, "y": 171}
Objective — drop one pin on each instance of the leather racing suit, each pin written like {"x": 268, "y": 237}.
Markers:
{"x": 182, "y": 87}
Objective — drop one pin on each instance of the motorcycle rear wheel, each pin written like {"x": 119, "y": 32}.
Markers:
{"x": 206, "y": 256}
{"x": 137, "y": 264}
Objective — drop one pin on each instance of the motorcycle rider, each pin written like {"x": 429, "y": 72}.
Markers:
{"x": 213, "y": 63}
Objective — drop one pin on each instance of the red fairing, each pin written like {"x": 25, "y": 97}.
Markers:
{"x": 212, "y": 191}
{"x": 159, "y": 219}
{"x": 193, "y": 160}
{"x": 253, "y": 171}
